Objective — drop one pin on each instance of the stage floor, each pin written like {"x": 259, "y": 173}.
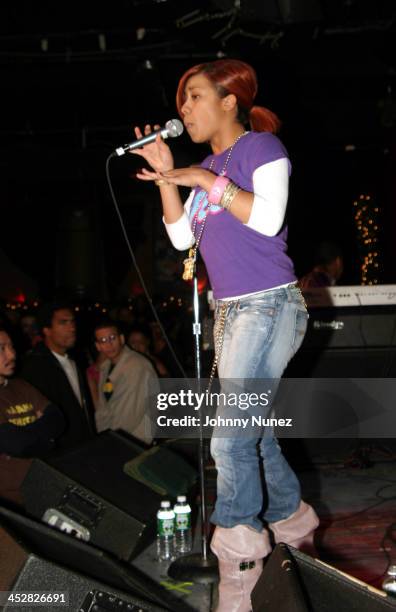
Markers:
{"x": 350, "y": 483}
{"x": 353, "y": 489}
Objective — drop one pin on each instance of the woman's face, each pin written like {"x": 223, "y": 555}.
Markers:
{"x": 138, "y": 342}
{"x": 204, "y": 112}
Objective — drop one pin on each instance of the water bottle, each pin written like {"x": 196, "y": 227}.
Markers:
{"x": 165, "y": 532}
{"x": 183, "y": 537}
{"x": 389, "y": 584}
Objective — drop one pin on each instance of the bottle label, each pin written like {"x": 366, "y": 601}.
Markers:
{"x": 183, "y": 521}
{"x": 165, "y": 527}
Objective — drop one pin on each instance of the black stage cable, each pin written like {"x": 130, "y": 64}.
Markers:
{"x": 136, "y": 266}
{"x": 364, "y": 510}
{"x": 388, "y": 535}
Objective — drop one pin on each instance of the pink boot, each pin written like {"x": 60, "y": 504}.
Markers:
{"x": 240, "y": 551}
{"x": 298, "y": 529}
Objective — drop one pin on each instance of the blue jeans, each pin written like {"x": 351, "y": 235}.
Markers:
{"x": 261, "y": 334}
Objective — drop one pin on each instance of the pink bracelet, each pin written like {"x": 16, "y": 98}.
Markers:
{"x": 215, "y": 194}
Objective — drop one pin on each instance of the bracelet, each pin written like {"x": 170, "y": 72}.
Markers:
{"x": 228, "y": 195}
{"x": 160, "y": 182}
{"x": 217, "y": 190}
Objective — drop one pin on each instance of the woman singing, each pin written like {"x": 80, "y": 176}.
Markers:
{"x": 235, "y": 216}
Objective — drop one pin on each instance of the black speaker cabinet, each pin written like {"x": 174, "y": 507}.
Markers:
{"x": 347, "y": 343}
{"x": 35, "y": 557}
{"x": 86, "y": 492}
{"x": 26, "y": 577}
{"x": 294, "y": 582}
{"x": 337, "y": 362}
{"x": 60, "y": 501}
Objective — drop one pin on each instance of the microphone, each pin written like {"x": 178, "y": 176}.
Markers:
{"x": 172, "y": 128}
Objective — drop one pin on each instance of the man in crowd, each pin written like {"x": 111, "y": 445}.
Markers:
{"x": 29, "y": 423}
{"x": 51, "y": 370}
{"x": 126, "y": 381}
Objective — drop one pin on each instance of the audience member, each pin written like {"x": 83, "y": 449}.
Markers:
{"x": 161, "y": 349}
{"x": 49, "y": 368}
{"x": 140, "y": 339}
{"x": 126, "y": 381}
{"x": 30, "y": 330}
{"x": 328, "y": 267}
{"x": 123, "y": 314}
{"x": 93, "y": 376}
{"x": 29, "y": 423}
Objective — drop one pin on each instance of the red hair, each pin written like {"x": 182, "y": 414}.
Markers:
{"x": 230, "y": 76}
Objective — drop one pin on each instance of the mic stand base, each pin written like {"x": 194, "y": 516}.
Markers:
{"x": 196, "y": 568}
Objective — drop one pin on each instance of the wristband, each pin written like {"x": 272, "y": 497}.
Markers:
{"x": 217, "y": 190}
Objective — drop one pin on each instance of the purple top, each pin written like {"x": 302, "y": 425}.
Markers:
{"x": 238, "y": 259}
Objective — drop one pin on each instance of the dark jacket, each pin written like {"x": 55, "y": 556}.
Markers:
{"x": 41, "y": 369}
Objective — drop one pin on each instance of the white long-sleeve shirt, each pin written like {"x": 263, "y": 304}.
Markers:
{"x": 271, "y": 190}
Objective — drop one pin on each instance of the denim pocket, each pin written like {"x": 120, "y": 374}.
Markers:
{"x": 265, "y": 304}
{"x": 300, "y": 326}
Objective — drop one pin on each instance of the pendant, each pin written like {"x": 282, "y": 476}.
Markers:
{"x": 189, "y": 263}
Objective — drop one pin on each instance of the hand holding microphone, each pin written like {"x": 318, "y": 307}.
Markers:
{"x": 153, "y": 149}
{"x": 172, "y": 128}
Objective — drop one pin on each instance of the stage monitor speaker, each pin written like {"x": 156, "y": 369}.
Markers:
{"x": 56, "y": 499}
{"x": 296, "y": 582}
{"x": 35, "y": 557}
{"x": 86, "y": 492}
{"x": 102, "y": 465}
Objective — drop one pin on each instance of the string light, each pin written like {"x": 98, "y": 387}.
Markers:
{"x": 171, "y": 303}
{"x": 367, "y": 225}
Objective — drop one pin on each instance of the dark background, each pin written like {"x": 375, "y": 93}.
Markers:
{"x": 76, "y": 77}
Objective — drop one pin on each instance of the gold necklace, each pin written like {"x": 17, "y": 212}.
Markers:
{"x": 189, "y": 262}
{"x": 222, "y": 172}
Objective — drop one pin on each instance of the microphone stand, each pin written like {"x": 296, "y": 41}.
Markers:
{"x": 200, "y": 567}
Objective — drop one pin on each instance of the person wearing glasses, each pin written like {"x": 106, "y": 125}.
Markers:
{"x": 127, "y": 379}
{"x": 51, "y": 369}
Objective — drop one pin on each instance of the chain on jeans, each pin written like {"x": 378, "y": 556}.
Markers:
{"x": 219, "y": 334}
{"x": 219, "y": 339}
